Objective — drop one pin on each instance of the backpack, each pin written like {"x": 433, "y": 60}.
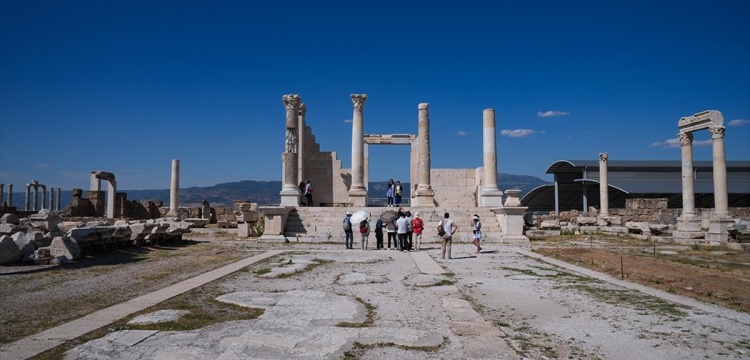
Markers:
{"x": 347, "y": 225}
{"x": 363, "y": 227}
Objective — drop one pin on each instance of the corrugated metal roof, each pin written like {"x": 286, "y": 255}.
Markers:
{"x": 613, "y": 165}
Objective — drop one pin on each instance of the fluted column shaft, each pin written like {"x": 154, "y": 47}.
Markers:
{"x": 688, "y": 192}
{"x": 174, "y": 189}
{"x": 603, "y": 184}
{"x": 301, "y": 126}
{"x": 721, "y": 201}
{"x": 423, "y": 146}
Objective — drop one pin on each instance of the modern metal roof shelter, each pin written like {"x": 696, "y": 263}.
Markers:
{"x": 576, "y": 184}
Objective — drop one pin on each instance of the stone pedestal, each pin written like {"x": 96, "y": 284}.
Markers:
{"x": 511, "y": 220}
{"x": 246, "y": 230}
{"x": 247, "y": 219}
{"x": 275, "y": 221}
{"x": 717, "y": 229}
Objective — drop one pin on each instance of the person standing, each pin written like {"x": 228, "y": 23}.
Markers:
{"x": 450, "y": 228}
{"x": 398, "y": 192}
{"x": 364, "y": 230}
{"x": 389, "y": 193}
{"x": 391, "y": 229}
{"x": 302, "y": 193}
{"x": 409, "y": 231}
{"x": 309, "y": 192}
{"x": 402, "y": 226}
{"x": 418, "y": 226}
{"x": 347, "y": 225}
{"x": 476, "y": 229}
{"x": 379, "y": 234}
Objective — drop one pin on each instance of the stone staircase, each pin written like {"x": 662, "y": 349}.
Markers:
{"x": 323, "y": 224}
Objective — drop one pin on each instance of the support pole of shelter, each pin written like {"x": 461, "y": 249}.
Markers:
{"x": 424, "y": 195}
{"x": 357, "y": 190}
{"x": 174, "y": 189}
{"x": 290, "y": 191}
{"x": 490, "y": 196}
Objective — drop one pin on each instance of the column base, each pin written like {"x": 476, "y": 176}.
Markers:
{"x": 491, "y": 198}
{"x": 423, "y": 201}
{"x": 289, "y": 197}
{"x": 717, "y": 229}
{"x": 688, "y": 223}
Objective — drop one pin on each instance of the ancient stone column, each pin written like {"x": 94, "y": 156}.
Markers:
{"x": 174, "y": 190}
{"x": 721, "y": 201}
{"x": 603, "y": 184}
{"x": 36, "y": 196}
{"x": 290, "y": 190}
{"x": 424, "y": 195}
{"x": 357, "y": 191}
{"x": 44, "y": 197}
{"x": 52, "y": 199}
{"x": 688, "y": 192}
{"x": 10, "y": 194}
{"x": 2, "y": 193}
{"x": 26, "y": 204}
{"x": 112, "y": 198}
{"x": 59, "y": 198}
{"x": 491, "y": 196}
{"x": 301, "y": 129}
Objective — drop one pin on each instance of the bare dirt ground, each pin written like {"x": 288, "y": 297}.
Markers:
{"x": 714, "y": 275}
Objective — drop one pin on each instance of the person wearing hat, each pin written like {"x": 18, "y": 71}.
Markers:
{"x": 417, "y": 226}
{"x": 476, "y": 228}
{"x": 347, "y": 225}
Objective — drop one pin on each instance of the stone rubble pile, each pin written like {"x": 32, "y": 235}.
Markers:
{"x": 43, "y": 238}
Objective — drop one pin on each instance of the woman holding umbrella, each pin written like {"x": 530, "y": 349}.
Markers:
{"x": 389, "y": 219}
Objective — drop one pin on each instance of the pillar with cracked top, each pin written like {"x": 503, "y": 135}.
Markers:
{"x": 36, "y": 195}
{"x": 301, "y": 143}
{"x": 490, "y": 196}
{"x": 603, "y": 184}
{"x": 112, "y": 199}
{"x": 10, "y": 194}
{"x": 424, "y": 195}
{"x": 28, "y": 193}
{"x": 290, "y": 191}
{"x": 687, "y": 221}
{"x": 357, "y": 190}
{"x": 174, "y": 189}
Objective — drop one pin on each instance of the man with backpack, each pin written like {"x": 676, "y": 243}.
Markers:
{"x": 364, "y": 230}
{"x": 347, "y": 226}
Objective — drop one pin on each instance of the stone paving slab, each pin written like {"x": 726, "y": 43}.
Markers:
{"x": 48, "y": 339}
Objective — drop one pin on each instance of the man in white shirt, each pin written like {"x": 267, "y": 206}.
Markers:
{"x": 450, "y": 228}
{"x": 402, "y": 226}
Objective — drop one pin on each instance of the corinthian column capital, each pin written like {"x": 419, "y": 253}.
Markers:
{"x": 686, "y": 139}
{"x": 291, "y": 101}
{"x": 423, "y": 106}
{"x": 603, "y": 157}
{"x": 359, "y": 101}
{"x": 717, "y": 132}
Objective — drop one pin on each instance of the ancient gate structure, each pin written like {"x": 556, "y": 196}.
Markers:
{"x": 689, "y": 225}
{"x": 96, "y": 188}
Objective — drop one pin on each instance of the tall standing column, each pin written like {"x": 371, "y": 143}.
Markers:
{"x": 687, "y": 221}
{"x": 491, "y": 196}
{"x": 44, "y": 197}
{"x": 424, "y": 195}
{"x": 721, "y": 201}
{"x": 36, "y": 197}
{"x": 26, "y": 204}
{"x": 2, "y": 193}
{"x": 51, "y": 199}
{"x": 59, "y": 198}
{"x": 290, "y": 190}
{"x": 112, "y": 198}
{"x": 357, "y": 191}
{"x": 301, "y": 130}
{"x": 603, "y": 184}
{"x": 174, "y": 190}
{"x": 10, "y": 194}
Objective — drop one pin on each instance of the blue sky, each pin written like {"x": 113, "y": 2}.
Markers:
{"x": 126, "y": 86}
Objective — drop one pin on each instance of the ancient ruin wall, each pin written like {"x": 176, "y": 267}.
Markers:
{"x": 323, "y": 168}
{"x": 454, "y": 187}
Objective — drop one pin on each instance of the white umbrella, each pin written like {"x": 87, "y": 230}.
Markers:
{"x": 358, "y": 216}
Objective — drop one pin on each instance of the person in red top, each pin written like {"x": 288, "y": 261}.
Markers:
{"x": 418, "y": 226}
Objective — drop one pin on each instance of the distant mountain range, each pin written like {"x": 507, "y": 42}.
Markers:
{"x": 267, "y": 192}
